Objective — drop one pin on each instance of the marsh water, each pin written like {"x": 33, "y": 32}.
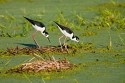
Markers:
{"x": 101, "y": 66}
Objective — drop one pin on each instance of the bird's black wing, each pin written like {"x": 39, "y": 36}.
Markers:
{"x": 65, "y": 28}
{"x": 40, "y": 24}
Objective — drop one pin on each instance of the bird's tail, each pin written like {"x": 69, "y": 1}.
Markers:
{"x": 56, "y": 23}
{"x": 31, "y": 21}
{"x": 27, "y": 18}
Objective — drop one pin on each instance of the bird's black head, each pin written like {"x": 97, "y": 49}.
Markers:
{"x": 75, "y": 38}
{"x": 46, "y": 34}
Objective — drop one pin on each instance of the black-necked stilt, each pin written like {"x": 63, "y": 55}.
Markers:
{"x": 39, "y": 26}
{"x": 68, "y": 33}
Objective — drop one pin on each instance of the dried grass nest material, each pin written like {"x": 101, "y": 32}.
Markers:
{"x": 44, "y": 65}
{"x": 31, "y": 50}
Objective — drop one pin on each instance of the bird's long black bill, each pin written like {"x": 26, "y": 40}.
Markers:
{"x": 48, "y": 39}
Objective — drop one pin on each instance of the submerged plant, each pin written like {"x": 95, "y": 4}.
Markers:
{"x": 10, "y": 27}
{"x": 110, "y": 40}
{"x": 81, "y": 20}
{"x": 61, "y": 19}
{"x": 88, "y": 33}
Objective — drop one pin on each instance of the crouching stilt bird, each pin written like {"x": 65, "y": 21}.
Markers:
{"x": 67, "y": 32}
{"x": 39, "y": 26}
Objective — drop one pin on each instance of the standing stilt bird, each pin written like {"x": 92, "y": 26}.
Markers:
{"x": 39, "y": 26}
{"x": 68, "y": 33}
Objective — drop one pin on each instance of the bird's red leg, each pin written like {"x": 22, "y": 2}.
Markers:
{"x": 60, "y": 42}
{"x": 65, "y": 44}
{"x": 33, "y": 35}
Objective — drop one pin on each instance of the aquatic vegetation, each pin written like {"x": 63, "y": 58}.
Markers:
{"x": 88, "y": 33}
{"x": 99, "y": 55}
{"x": 10, "y": 27}
{"x": 106, "y": 18}
{"x": 81, "y": 20}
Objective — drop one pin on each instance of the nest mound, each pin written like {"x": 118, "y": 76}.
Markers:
{"x": 44, "y": 65}
{"x": 32, "y": 50}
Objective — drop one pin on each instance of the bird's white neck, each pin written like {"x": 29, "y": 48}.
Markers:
{"x": 45, "y": 33}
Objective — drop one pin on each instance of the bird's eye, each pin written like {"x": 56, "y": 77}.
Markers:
{"x": 47, "y": 35}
